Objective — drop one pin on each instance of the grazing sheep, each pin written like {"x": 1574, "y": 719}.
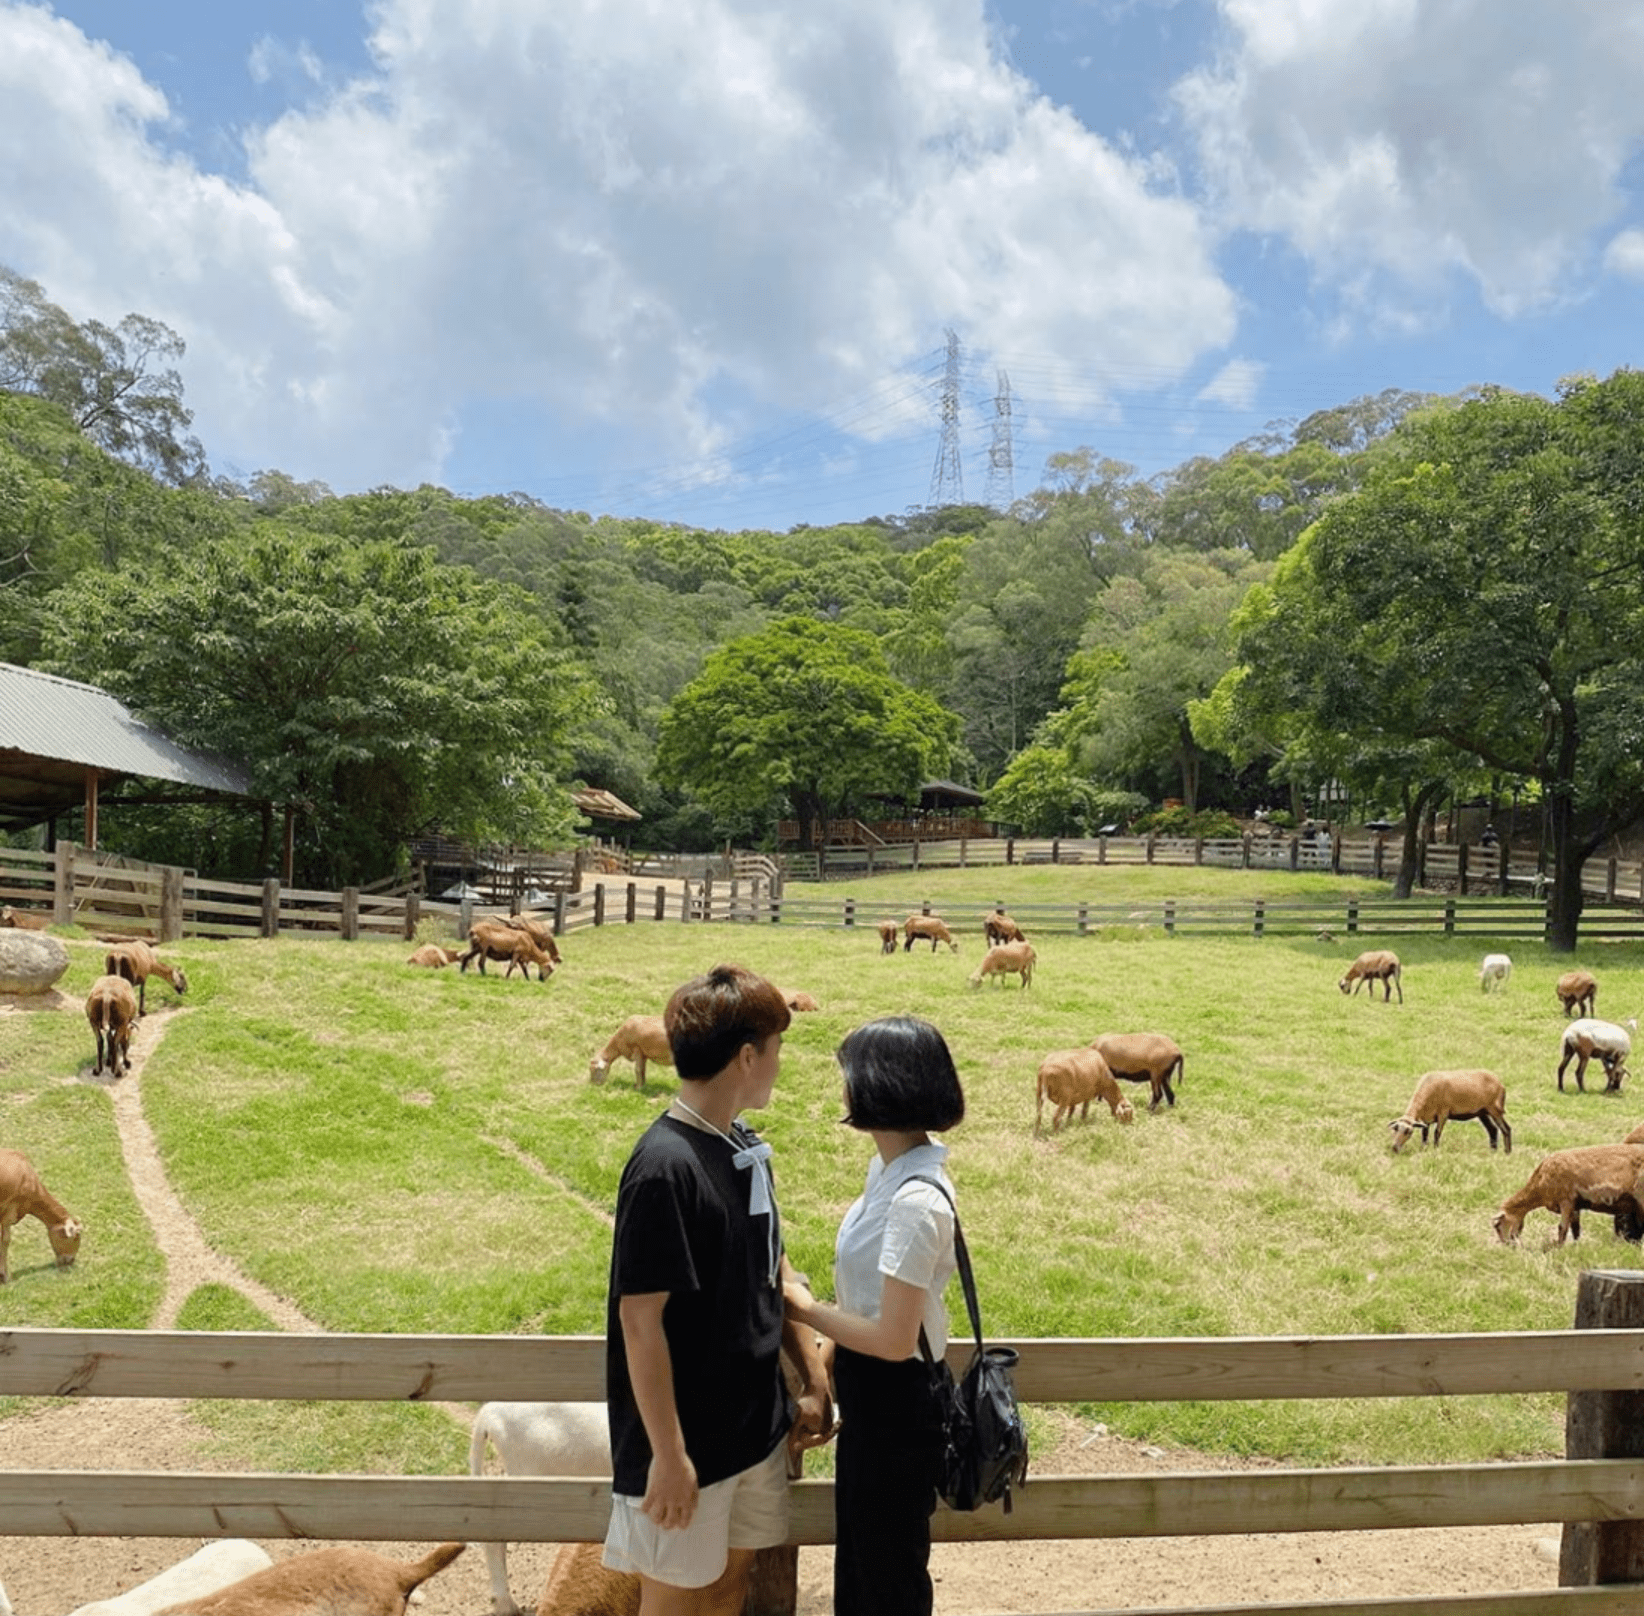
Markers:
{"x": 1006, "y": 959}
{"x": 1378, "y": 965}
{"x": 1586, "y": 1038}
{"x": 889, "y": 931}
{"x": 1143, "y": 1057}
{"x": 22, "y": 1195}
{"x": 435, "y": 957}
{"x": 798, "y": 1000}
{"x": 327, "y": 1582}
{"x": 1000, "y": 928}
{"x": 579, "y": 1585}
{"x": 919, "y": 927}
{"x": 215, "y": 1565}
{"x": 1578, "y": 992}
{"x": 1443, "y": 1097}
{"x": 541, "y": 932}
{"x": 536, "y": 1439}
{"x": 27, "y": 919}
{"x": 1589, "y": 1178}
{"x": 137, "y": 962}
{"x": 1075, "y": 1077}
{"x": 494, "y": 939}
{"x": 639, "y": 1039}
{"x": 1494, "y": 972}
{"x": 111, "y": 1008}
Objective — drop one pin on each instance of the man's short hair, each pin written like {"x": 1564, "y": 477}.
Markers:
{"x": 711, "y": 1017}
{"x": 899, "y": 1075}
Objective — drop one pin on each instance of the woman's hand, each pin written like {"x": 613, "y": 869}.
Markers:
{"x": 813, "y": 1424}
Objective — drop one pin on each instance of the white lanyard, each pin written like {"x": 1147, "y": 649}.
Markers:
{"x": 760, "y": 1199}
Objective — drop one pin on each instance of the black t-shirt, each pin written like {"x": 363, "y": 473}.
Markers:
{"x": 682, "y": 1226}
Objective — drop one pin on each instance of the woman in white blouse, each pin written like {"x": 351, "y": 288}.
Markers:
{"x": 892, "y": 1260}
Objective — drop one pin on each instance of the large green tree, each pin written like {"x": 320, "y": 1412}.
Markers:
{"x": 1485, "y": 589}
{"x": 805, "y": 712}
{"x": 375, "y": 689}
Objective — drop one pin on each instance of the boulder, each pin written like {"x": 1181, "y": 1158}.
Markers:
{"x": 30, "y": 961}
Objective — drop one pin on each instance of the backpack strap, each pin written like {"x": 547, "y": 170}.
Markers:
{"x": 961, "y": 1254}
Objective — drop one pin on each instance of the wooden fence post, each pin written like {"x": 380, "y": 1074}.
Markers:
{"x": 271, "y": 907}
{"x": 1056, "y": 851}
{"x": 1604, "y": 1425}
{"x": 1247, "y": 850}
{"x": 171, "y": 903}
{"x": 1609, "y": 882}
{"x": 631, "y": 914}
{"x": 1084, "y": 918}
{"x": 1260, "y": 918}
{"x": 1381, "y": 852}
{"x": 1353, "y": 915}
{"x": 413, "y": 914}
{"x": 599, "y": 904}
{"x": 559, "y": 916}
{"x": 870, "y": 857}
{"x": 1198, "y": 850}
{"x": 1449, "y": 917}
{"x": 1010, "y": 850}
{"x": 1295, "y": 852}
{"x": 350, "y": 926}
{"x": 1501, "y": 868}
{"x": 916, "y": 850}
{"x": 661, "y": 902}
{"x": 62, "y": 889}
{"x": 962, "y": 864}
{"x": 1170, "y": 917}
{"x": 1101, "y": 850}
{"x": 850, "y": 912}
{"x": 1461, "y": 869}
{"x": 708, "y": 895}
{"x": 1150, "y": 847}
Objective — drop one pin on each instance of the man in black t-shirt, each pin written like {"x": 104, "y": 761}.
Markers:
{"x": 695, "y": 1324}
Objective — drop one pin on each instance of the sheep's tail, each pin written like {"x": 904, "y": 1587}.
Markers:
{"x": 419, "y": 1571}
{"x": 476, "y": 1445}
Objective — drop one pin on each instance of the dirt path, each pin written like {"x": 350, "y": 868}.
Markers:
{"x": 50, "y": 1576}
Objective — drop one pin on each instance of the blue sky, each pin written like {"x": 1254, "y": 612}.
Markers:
{"x": 696, "y": 261}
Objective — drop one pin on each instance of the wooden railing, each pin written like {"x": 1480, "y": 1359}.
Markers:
{"x": 1587, "y": 1362}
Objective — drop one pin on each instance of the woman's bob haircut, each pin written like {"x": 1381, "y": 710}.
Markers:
{"x": 900, "y": 1077}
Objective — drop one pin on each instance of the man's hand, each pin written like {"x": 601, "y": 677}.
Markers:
{"x": 813, "y": 1421}
{"x": 670, "y": 1490}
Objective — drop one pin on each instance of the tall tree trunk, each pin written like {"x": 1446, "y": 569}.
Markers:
{"x": 1569, "y": 852}
{"x": 1415, "y": 806}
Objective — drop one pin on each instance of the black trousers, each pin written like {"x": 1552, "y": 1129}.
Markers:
{"x": 884, "y": 1486}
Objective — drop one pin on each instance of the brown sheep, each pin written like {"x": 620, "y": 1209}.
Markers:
{"x": 797, "y": 1000}
{"x": 1378, "y": 965}
{"x": 111, "y": 1008}
{"x": 1075, "y": 1077}
{"x": 26, "y": 919}
{"x": 1006, "y": 959}
{"x": 580, "y": 1585}
{"x": 435, "y": 957}
{"x": 358, "y": 1581}
{"x": 1143, "y": 1057}
{"x": 1589, "y": 1178}
{"x": 889, "y": 931}
{"x": 1578, "y": 992}
{"x": 1000, "y": 928}
{"x": 541, "y": 933}
{"x": 639, "y": 1039}
{"x": 22, "y": 1195}
{"x": 919, "y": 927}
{"x": 1462, "y": 1096}
{"x": 137, "y": 962}
{"x": 493, "y": 939}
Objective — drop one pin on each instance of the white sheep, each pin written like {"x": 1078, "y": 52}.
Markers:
{"x": 1074, "y": 1077}
{"x": 1586, "y": 1038}
{"x": 1494, "y": 972}
{"x": 219, "y": 1563}
{"x": 536, "y": 1439}
{"x": 360, "y": 1582}
{"x": 1462, "y": 1096}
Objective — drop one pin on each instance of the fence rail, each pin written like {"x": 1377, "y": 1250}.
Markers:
{"x": 101, "y": 1363}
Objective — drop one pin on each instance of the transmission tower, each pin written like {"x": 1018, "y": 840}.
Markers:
{"x": 947, "y": 478}
{"x": 1001, "y": 463}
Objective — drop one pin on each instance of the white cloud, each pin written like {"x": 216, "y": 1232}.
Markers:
{"x": 1625, "y": 255}
{"x": 1397, "y": 143}
{"x": 1237, "y": 384}
{"x": 607, "y": 208}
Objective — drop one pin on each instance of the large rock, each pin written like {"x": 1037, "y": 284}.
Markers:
{"x": 30, "y": 961}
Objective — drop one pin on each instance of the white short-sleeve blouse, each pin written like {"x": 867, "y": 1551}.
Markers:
{"x": 900, "y": 1228}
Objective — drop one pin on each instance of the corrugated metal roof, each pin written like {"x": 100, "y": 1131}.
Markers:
{"x": 61, "y": 720}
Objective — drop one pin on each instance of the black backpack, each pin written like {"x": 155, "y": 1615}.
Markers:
{"x": 985, "y": 1445}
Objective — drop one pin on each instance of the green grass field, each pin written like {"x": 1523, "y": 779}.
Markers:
{"x": 405, "y": 1150}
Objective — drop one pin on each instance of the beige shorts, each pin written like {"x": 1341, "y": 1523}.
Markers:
{"x": 745, "y": 1511}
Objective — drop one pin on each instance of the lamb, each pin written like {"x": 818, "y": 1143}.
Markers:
{"x": 1378, "y": 965}
{"x": 1494, "y": 972}
{"x": 137, "y": 962}
{"x": 1075, "y": 1077}
{"x": 214, "y": 1566}
{"x": 26, "y": 919}
{"x": 1005, "y": 959}
{"x": 1143, "y": 1057}
{"x": 889, "y": 931}
{"x": 358, "y": 1581}
{"x": 1585, "y": 1038}
{"x": 111, "y": 1008}
{"x": 495, "y": 939}
{"x": 919, "y": 927}
{"x": 639, "y": 1039}
{"x": 1000, "y": 928}
{"x": 435, "y": 957}
{"x": 1578, "y": 992}
{"x": 22, "y": 1195}
{"x": 536, "y": 1439}
{"x": 1461, "y": 1096}
{"x": 1589, "y": 1178}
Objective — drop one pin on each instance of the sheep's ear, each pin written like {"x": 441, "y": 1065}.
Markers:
{"x": 73, "y": 1229}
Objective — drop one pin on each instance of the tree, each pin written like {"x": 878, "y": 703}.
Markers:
{"x": 118, "y": 383}
{"x": 381, "y": 693}
{"x": 805, "y": 711}
{"x": 1481, "y": 590}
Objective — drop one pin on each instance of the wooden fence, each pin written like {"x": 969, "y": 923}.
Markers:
{"x": 1601, "y": 1365}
